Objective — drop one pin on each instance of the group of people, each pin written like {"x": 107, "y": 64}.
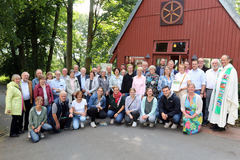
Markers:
{"x": 146, "y": 94}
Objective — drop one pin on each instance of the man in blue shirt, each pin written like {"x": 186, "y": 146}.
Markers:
{"x": 198, "y": 78}
{"x": 82, "y": 78}
{"x": 58, "y": 84}
{"x": 75, "y": 67}
{"x": 35, "y": 81}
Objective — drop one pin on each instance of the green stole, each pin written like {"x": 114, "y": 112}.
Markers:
{"x": 223, "y": 84}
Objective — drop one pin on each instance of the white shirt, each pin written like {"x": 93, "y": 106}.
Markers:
{"x": 45, "y": 96}
{"x": 211, "y": 77}
{"x": 25, "y": 90}
{"x": 180, "y": 76}
{"x": 39, "y": 112}
{"x": 79, "y": 107}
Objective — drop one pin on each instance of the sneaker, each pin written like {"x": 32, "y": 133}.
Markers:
{"x": 182, "y": 124}
{"x": 174, "y": 126}
{"x": 151, "y": 125}
{"x": 68, "y": 129}
{"x": 134, "y": 124}
{"x": 160, "y": 121}
{"x": 41, "y": 135}
{"x": 145, "y": 124}
{"x": 82, "y": 125}
{"x": 167, "y": 124}
{"x": 29, "y": 135}
{"x": 112, "y": 121}
{"x": 93, "y": 125}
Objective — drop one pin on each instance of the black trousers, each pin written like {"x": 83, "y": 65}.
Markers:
{"x": 28, "y": 106}
{"x": 15, "y": 124}
{"x": 107, "y": 104}
{"x": 135, "y": 115}
{"x": 93, "y": 113}
{"x": 65, "y": 121}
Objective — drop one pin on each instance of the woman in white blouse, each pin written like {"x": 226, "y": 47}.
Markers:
{"x": 184, "y": 79}
{"x": 79, "y": 106}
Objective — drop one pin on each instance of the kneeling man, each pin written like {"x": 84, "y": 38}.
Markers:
{"x": 169, "y": 107}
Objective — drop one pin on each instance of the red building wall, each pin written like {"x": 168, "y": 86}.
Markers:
{"x": 207, "y": 25}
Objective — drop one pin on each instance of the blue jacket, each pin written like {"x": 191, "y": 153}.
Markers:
{"x": 94, "y": 99}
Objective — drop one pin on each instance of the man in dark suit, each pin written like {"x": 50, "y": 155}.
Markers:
{"x": 160, "y": 69}
{"x": 82, "y": 78}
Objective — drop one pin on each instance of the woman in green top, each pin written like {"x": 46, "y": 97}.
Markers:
{"x": 37, "y": 121}
{"x": 116, "y": 106}
{"x": 148, "y": 108}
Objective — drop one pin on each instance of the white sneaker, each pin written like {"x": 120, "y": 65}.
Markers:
{"x": 160, "y": 121}
{"x": 174, "y": 126}
{"x": 151, "y": 125}
{"x": 112, "y": 121}
{"x": 93, "y": 125}
{"x": 134, "y": 124}
{"x": 41, "y": 135}
{"x": 167, "y": 125}
{"x": 29, "y": 135}
{"x": 82, "y": 125}
{"x": 145, "y": 124}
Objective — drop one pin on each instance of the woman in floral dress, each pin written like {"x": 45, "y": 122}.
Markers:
{"x": 191, "y": 106}
{"x": 152, "y": 80}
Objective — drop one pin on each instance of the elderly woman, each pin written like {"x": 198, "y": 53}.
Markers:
{"x": 184, "y": 80}
{"x": 15, "y": 105}
{"x": 91, "y": 86}
{"x": 96, "y": 106}
{"x": 43, "y": 90}
{"x": 139, "y": 83}
{"x": 191, "y": 107}
{"x": 152, "y": 80}
{"x": 116, "y": 79}
{"x": 116, "y": 106}
{"x": 103, "y": 82}
{"x": 148, "y": 108}
{"x": 38, "y": 121}
{"x": 72, "y": 86}
{"x": 79, "y": 106}
{"x": 132, "y": 108}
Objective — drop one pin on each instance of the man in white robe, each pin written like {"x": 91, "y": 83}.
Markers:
{"x": 223, "y": 107}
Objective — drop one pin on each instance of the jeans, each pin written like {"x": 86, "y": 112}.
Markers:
{"x": 93, "y": 113}
{"x": 197, "y": 92}
{"x": 135, "y": 115}
{"x": 88, "y": 98}
{"x": 126, "y": 95}
{"x": 66, "y": 122}
{"x": 151, "y": 119}
{"x": 76, "y": 119}
{"x": 119, "y": 117}
{"x": 48, "y": 112}
{"x": 28, "y": 106}
{"x": 35, "y": 136}
{"x": 55, "y": 96}
{"x": 176, "y": 118}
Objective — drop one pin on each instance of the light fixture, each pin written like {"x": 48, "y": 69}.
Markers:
{"x": 147, "y": 57}
{"x": 174, "y": 45}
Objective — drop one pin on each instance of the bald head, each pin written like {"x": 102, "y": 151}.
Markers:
{"x": 225, "y": 59}
{"x": 64, "y": 72}
{"x": 57, "y": 74}
{"x": 75, "y": 67}
{"x": 38, "y": 73}
{"x": 83, "y": 71}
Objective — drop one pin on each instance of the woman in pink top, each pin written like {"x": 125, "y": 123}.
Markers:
{"x": 139, "y": 83}
{"x": 72, "y": 86}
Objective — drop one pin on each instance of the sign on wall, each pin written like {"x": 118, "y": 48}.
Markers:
{"x": 172, "y": 12}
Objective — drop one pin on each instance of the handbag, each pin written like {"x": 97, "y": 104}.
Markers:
{"x": 131, "y": 103}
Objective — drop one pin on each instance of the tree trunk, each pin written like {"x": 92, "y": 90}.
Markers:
{"x": 21, "y": 55}
{"x": 34, "y": 43}
{"x": 53, "y": 38}
{"x": 16, "y": 69}
{"x": 88, "y": 59}
{"x": 69, "y": 34}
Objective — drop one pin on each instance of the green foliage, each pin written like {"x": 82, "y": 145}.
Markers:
{"x": 4, "y": 79}
{"x": 238, "y": 6}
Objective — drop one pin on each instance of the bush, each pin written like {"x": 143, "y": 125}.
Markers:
{"x": 4, "y": 79}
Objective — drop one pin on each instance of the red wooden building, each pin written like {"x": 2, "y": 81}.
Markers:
{"x": 178, "y": 30}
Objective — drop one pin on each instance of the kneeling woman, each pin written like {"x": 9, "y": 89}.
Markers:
{"x": 38, "y": 120}
{"x": 96, "y": 106}
{"x": 132, "y": 107}
{"x": 116, "y": 106}
{"x": 191, "y": 107}
{"x": 148, "y": 108}
{"x": 79, "y": 106}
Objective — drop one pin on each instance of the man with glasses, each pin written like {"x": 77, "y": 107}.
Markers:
{"x": 58, "y": 84}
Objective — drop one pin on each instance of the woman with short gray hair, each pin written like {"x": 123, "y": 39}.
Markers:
{"x": 103, "y": 82}
{"x": 152, "y": 80}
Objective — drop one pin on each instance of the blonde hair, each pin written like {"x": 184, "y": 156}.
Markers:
{"x": 38, "y": 98}
{"x": 165, "y": 70}
{"x": 115, "y": 87}
{"x": 191, "y": 84}
{"x": 132, "y": 89}
{"x": 15, "y": 76}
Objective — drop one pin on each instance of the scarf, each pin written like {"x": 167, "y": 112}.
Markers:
{"x": 223, "y": 84}
{"x": 117, "y": 96}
